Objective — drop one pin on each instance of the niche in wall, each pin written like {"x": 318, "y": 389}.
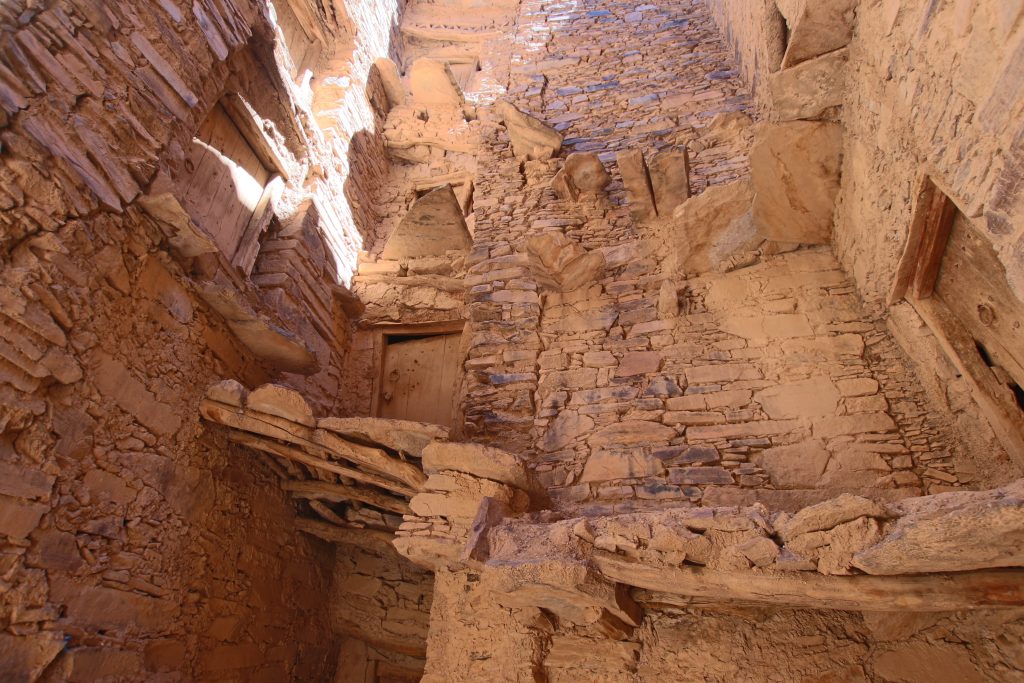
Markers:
{"x": 952, "y": 276}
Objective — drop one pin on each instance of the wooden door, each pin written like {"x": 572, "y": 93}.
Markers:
{"x": 224, "y": 180}
{"x": 420, "y": 378}
{"x": 972, "y": 284}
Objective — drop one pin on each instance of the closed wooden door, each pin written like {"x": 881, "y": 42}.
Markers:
{"x": 420, "y": 378}
{"x": 224, "y": 180}
{"x": 972, "y": 284}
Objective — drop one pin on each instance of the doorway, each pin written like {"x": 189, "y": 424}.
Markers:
{"x": 420, "y": 374}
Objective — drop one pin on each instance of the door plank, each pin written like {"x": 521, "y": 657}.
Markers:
{"x": 420, "y": 379}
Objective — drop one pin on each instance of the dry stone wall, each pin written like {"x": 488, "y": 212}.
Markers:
{"x": 138, "y": 544}
{"x": 641, "y": 388}
{"x": 617, "y": 94}
{"x": 916, "y": 98}
{"x": 382, "y": 603}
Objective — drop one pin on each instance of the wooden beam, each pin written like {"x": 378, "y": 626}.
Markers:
{"x": 319, "y": 490}
{"x": 947, "y": 592}
{"x": 327, "y": 513}
{"x": 249, "y": 245}
{"x": 317, "y": 441}
{"x": 298, "y": 455}
{"x": 374, "y": 458}
{"x": 250, "y": 125}
{"x": 933, "y": 245}
{"x": 359, "y": 537}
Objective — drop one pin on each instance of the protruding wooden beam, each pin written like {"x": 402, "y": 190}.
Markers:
{"x": 327, "y": 513}
{"x": 318, "y": 441}
{"x": 362, "y": 538}
{"x": 301, "y": 456}
{"x": 374, "y": 458}
{"x": 947, "y": 592}
{"x": 319, "y": 490}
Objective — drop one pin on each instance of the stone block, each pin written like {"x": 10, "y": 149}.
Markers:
{"x": 26, "y": 656}
{"x": 860, "y": 386}
{"x": 687, "y": 455}
{"x": 696, "y": 476}
{"x": 798, "y": 466}
{"x": 816, "y": 27}
{"x": 638, "y": 363}
{"x": 433, "y": 85}
{"x": 761, "y": 329}
{"x": 115, "y": 382}
{"x": 707, "y": 230}
{"x": 433, "y": 226}
{"x": 849, "y": 469}
{"x": 795, "y": 170}
{"x": 608, "y": 465}
{"x": 531, "y": 139}
{"x": 806, "y": 91}
{"x": 19, "y": 518}
{"x": 24, "y": 482}
{"x": 848, "y": 425}
{"x": 639, "y": 192}
{"x": 670, "y": 180}
{"x": 565, "y": 429}
{"x": 721, "y": 374}
{"x": 632, "y": 432}
{"x": 813, "y": 397}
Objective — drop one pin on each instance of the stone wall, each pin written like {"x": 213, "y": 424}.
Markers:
{"x": 652, "y": 81}
{"x": 918, "y": 98}
{"x": 931, "y": 90}
{"x": 138, "y": 543}
{"x": 382, "y": 603}
{"x": 623, "y": 400}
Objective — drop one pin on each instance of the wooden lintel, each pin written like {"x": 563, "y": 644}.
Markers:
{"x": 372, "y": 539}
{"x": 947, "y": 592}
{"x": 319, "y": 490}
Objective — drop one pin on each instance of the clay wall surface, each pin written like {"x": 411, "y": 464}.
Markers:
{"x": 139, "y": 544}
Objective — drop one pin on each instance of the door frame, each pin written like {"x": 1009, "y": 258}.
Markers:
{"x": 381, "y": 333}
{"x": 917, "y": 272}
